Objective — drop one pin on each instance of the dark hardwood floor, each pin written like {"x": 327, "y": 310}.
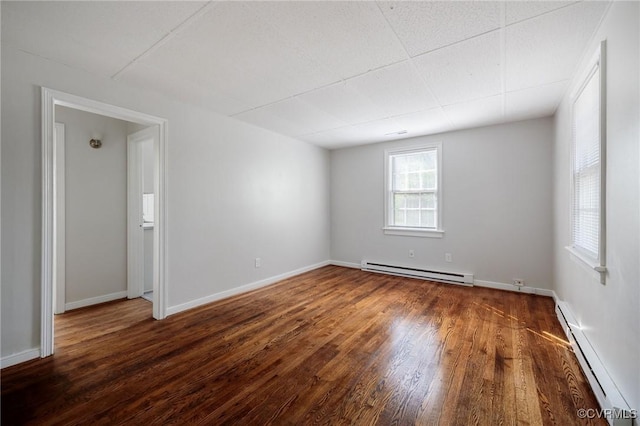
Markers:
{"x": 333, "y": 346}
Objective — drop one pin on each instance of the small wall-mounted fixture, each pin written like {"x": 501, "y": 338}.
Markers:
{"x": 95, "y": 141}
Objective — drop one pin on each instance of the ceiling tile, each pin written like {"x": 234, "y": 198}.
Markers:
{"x": 397, "y": 88}
{"x": 423, "y": 26}
{"x": 291, "y": 117}
{"x": 481, "y": 112}
{"x": 335, "y": 138}
{"x": 333, "y": 73}
{"x": 100, "y": 37}
{"x": 229, "y": 49}
{"x": 516, "y": 11}
{"x": 546, "y": 49}
{"x": 363, "y": 133}
{"x": 464, "y": 71}
{"x": 424, "y": 122}
{"x": 540, "y": 101}
{"x": 378, "y": 130}
{"x": 343, "y": 102}
{"x": 160, "y": 81}
{"x": 348, "y": 38}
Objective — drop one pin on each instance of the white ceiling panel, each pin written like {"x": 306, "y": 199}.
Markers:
{"x": 423, "y": 26}
{"x": 463, "y": 71}
{"x": 335, "y": 73}
{"x": 424, "y": 122}
{"x": 340, "y": 100}
{"x": 516, "y": 11}
{"x": 546, "y": 49}
{"x": 481, "y": 112}
{"x": 168, "y": 84}
{"x": 363, "y": 133}
{"x": 100, "y": 37}
{"x": 379, "y": 130}
{"x": 231, "y": 49}
{"x": 291, "y": 117}
{"x": 398, "y": 89}
{"x": 335, "y": 138}
{"x": 540, "y": 101}
{"x": 349, "y": 38}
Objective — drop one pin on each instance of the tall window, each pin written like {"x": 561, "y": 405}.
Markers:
{"x": 588, "y": 176}
{"x": 413, "y": 196}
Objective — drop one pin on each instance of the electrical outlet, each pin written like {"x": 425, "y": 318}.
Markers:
{"x": 448, "y": 257}
{"x": 258, "y": 262}
{"x": 412, "y": 253}
{"x": 518, "y": 282}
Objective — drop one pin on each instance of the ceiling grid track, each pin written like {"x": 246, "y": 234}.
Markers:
{"x": 171, "y": 34}
{"x": 503, "y": 57}
{"x": 426, "y": 84}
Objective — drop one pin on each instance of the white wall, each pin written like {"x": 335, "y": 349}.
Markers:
{"x": 608, "y": 314}
{"x": 235, "y": 192}
{"x": 497, "y": 204}
{"x": 95, "y": 205}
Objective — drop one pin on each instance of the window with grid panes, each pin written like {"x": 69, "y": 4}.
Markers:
{"x": 413, "y": 188}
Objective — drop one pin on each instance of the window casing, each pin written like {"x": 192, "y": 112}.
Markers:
{"x": 588, "y": 168}
{"x": 413, "y": 196}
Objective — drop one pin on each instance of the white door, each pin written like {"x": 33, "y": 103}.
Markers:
{"x": 135, "y": 221}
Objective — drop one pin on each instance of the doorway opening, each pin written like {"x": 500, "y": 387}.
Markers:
{"x": 53, "y": 173}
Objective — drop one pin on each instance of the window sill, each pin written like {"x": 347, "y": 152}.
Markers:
{"x": 414, "y": 232}
{"x": 587, "y": 261}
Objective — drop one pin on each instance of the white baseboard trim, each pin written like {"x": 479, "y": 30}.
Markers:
{"x": 95, "y": 300}
{"x": 515, "y": 288}
{"x": 345, "y": 264}
{"x": 242, "y": 289}
{"x": 20, "y": 357}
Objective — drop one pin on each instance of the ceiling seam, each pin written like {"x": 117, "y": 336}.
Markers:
{"x": 503, "y": 57}
{"x": 455, "y": 42}
{"x": 503, "y": 25}
{"x": 170, "y": 35}
{"x": 562, "y": 80}
{"x": 570, "y": 4}
{"x": 342, "y": 80}
{"x": 415, "y": 68}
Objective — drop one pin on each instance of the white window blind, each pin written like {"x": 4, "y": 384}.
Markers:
{"x": 587, "y": 170}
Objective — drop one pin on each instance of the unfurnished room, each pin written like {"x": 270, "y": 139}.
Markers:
{"x": 320, "y": 212}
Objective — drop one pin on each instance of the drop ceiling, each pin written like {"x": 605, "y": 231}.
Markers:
{"x": 334, "y": 74}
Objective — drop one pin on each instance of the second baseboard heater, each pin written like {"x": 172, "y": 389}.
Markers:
{"x": 616, "y": 409}
{"x": 417, "y": 272}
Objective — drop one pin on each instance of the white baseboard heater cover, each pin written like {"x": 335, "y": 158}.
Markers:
{"x": 417, "y": 272}
{"x": 603, "y": 387}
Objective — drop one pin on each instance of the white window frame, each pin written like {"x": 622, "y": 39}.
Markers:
{"x": 391, "y": 229}
{"x": 598, "y": 263}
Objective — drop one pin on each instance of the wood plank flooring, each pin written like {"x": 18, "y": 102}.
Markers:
{"x": 333, "y": 346}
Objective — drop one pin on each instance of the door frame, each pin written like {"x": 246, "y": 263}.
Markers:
{"x": 135, "y": 231}
{"x": 50, "y": 98}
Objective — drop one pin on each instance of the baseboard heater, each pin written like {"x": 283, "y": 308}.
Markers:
{"x": 416, "y": 272}
{"x": 616, "y": 409}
